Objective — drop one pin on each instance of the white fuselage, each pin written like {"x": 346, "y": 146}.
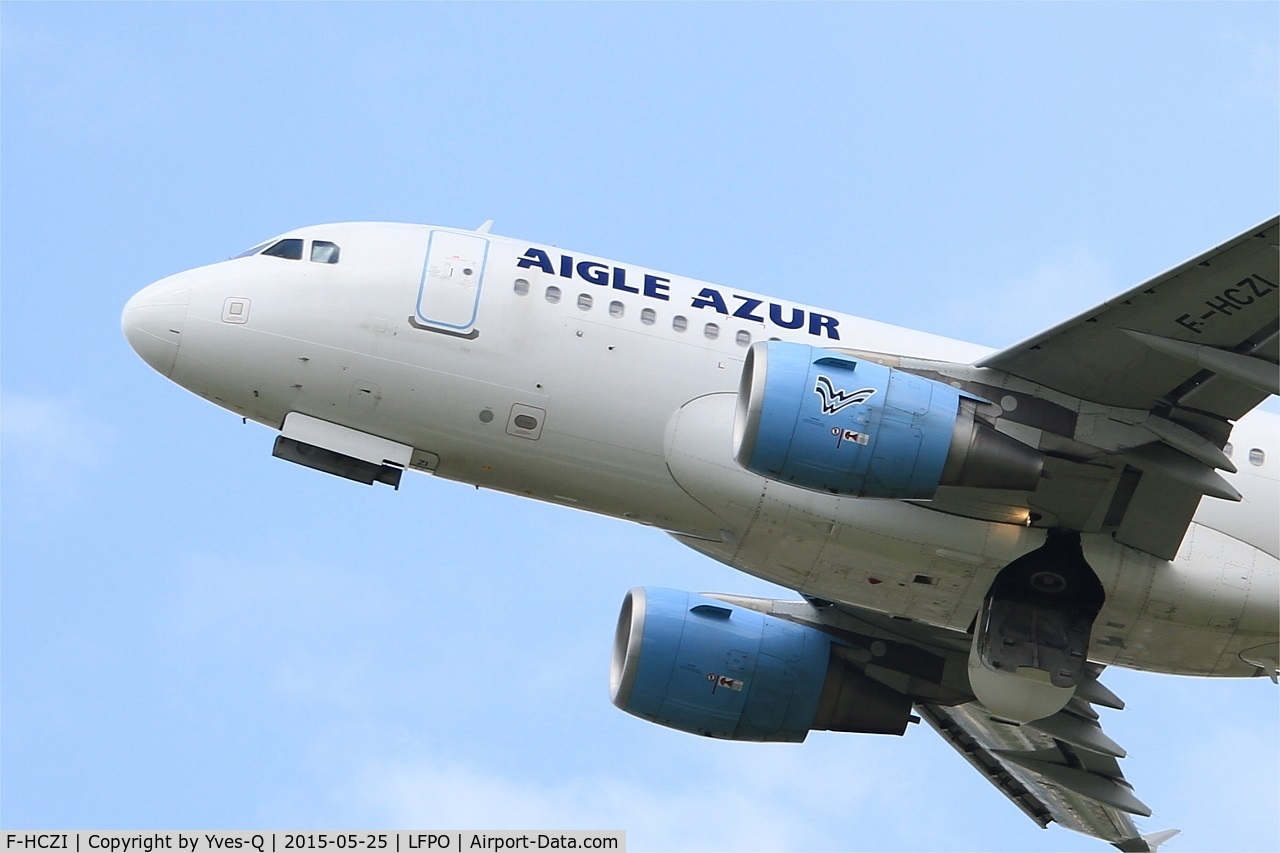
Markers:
{"x": 610, "y": 388}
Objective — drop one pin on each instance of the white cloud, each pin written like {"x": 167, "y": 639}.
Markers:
{"x": 1025, "y": 304}
{"x": 50, "y": 427}
{"x": 311, "y": 629}
{"x": 48, "y": 444}
{"x": 751, "y": 797}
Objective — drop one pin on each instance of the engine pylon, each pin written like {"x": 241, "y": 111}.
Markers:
{"x": 1031, "y": 638}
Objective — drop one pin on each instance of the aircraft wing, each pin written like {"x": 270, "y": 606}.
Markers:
{"x": 1062, "y": 769}
{"x": 1070, "y": 776}
{"x": 1194, "y": 348}
{"x": 1200, "y": 337}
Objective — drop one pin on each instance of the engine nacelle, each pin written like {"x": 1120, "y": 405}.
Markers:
{"x": 707, "y": 667}
{"x": 834, "y": 423}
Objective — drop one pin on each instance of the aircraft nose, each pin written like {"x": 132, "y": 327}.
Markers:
{"x": 152, "y": 323}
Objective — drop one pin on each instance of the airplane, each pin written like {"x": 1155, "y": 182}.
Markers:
{"x": 974, "y": 534}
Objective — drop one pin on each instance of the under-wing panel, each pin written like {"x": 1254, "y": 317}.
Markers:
{"x": 1201, "y": 336}
{"x": 1196, "y": 348}
{"x": 1070, "y": 777}
{"x": 1061, "y": 769}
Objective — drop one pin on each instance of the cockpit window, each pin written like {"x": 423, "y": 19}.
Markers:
{"x": 255, "y": 250}
{"x": 324, "y": 252}
{"x": 290, "y": 249}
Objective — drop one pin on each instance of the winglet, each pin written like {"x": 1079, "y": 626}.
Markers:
{"x": 1265, "y": 657}
{"x": 1148, "y": 843}
{"x": 1270, "y": 667}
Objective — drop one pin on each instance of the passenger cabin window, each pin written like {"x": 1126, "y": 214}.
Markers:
{"x": 290, "y": 249}
{"x": 1257, "y": 456}
{"x": 324, "y": 252}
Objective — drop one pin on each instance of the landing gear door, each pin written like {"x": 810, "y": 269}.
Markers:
{"x": 449, "y": 295}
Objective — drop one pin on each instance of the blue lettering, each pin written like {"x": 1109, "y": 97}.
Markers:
{"x": 656, "y": 287}
{"x": 747, "y": 308}
{"x": 620, "y": 281}
{"x": 592, "y": 272}
{"x": 709, "y": 298}
{"x": 535, "y": 258}
{"x": 775, "y": 315}
{"x": 821, "y": 325}
{"x": 820, "y": 322}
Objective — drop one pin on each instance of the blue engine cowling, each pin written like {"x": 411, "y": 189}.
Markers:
{"x": 831, "y": 422}
{"x": 711, "y": 668}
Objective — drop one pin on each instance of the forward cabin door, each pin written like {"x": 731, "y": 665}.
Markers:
{"x": 452, "y": 276}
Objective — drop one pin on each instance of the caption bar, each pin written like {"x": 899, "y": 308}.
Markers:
{"x": 452, "y": 841}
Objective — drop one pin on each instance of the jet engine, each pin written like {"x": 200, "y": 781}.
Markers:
{"x": 707, "y": 667}
{"x": 830, "y": 422}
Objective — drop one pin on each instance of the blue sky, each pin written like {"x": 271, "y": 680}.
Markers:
{"x": 196, "y": 635}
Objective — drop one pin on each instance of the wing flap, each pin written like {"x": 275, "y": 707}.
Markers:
{"x": 1062, "y": 770}
{"x": 948, "y": 723}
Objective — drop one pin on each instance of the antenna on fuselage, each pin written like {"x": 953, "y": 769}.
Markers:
{"x": 484, "y": 229}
